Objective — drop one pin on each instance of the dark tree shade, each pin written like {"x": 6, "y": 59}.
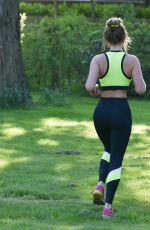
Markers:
{"x": 13, "y": 83}
{"x": 146, "y": 2}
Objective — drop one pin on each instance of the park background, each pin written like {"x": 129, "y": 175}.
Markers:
{"x": 50, "y": 152}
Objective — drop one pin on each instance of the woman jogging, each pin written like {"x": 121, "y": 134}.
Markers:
{"x": 112, "y": 116}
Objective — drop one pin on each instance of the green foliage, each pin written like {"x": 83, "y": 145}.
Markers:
{"x": 143, "y": 12}
{"x": 102, "y": 10}
{"x": 82, "y": 8}
{"x": 57, "y": 51}
{"x": 61, "y": 48}
{"x": 106, "y": 10}
{"x": 36, "y": 9}
{"x": 140, "y": 33}
{"x": 57, "y": 97}
{"x": 13, "y": 98}
{"x": 116, "y": 10}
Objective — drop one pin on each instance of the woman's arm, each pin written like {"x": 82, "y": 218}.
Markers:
{"x": 93, "y": 76}
{"x": 140, "y": 86}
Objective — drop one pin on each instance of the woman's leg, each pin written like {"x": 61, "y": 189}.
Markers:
{"x": 104, "y": 134}
{"x": 119, "y": 142}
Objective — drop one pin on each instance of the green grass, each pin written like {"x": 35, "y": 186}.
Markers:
{"x": 40, "y": 189}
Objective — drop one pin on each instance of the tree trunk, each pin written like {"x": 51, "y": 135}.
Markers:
{"x": 93, "y": 10}
{"x": 13, "y": 83}
{"x": 146, "y": 2}
{"x": 55, "y": 8}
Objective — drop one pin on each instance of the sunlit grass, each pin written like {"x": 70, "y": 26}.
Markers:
{"x": 6, "y": 162}
{"x": 54, "y": 122}
{"x": 61, "y": 167}
{"x": 3, "y": 163}
{"x": 40, "y": 189}
{"x": 12, "y": 132}
{"x": 140, "y": 129}
{"x": 48, "y": 142}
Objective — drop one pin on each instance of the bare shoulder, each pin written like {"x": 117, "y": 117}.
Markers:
{"x": 132, "y": 59}
{"x": 99, "y": 58}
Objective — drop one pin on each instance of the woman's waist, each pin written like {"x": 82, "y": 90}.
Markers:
{"x": 114, "y": 94}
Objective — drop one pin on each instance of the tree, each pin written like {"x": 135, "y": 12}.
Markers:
{"x": 55, "y": 8}
{"x": 13, "y": 83}
{"x": 146, "y": 2}
{"x": 93, "y": 6}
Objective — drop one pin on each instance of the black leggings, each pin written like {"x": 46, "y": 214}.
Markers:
{"x": 113, "y": 121}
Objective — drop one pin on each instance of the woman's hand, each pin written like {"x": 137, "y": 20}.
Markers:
{"x": 95, "y": 92}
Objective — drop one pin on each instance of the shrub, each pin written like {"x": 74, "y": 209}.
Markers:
{"x": 61, "y": 48}
{"x": 82, "y": 8}
{"x": 12, "y": 98}
{"x": 36, "y": 9}
{"x": 143, "y": 12}
{"x": 140, "y": 33}
{"x": 57, "y": 97}
{"x": 116, "y": 10}
{"x": 102, "y": 10}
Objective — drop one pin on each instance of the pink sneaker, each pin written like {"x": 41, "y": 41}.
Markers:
{"x": 108, "y": 212}
{"x": 98, "y": 195}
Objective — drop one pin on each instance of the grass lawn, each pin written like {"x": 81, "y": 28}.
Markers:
{"x": 40, "y": 189}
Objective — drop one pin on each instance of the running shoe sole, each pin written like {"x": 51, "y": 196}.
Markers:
{"x": 98, "y": 198}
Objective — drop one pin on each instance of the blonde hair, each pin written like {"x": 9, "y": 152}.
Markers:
{"x": 116, "y": 33}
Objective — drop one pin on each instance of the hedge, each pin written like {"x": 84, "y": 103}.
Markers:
{"x": 102, "y": 10}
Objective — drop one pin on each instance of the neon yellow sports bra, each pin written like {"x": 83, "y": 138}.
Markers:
{"x": 115, "y": 77}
